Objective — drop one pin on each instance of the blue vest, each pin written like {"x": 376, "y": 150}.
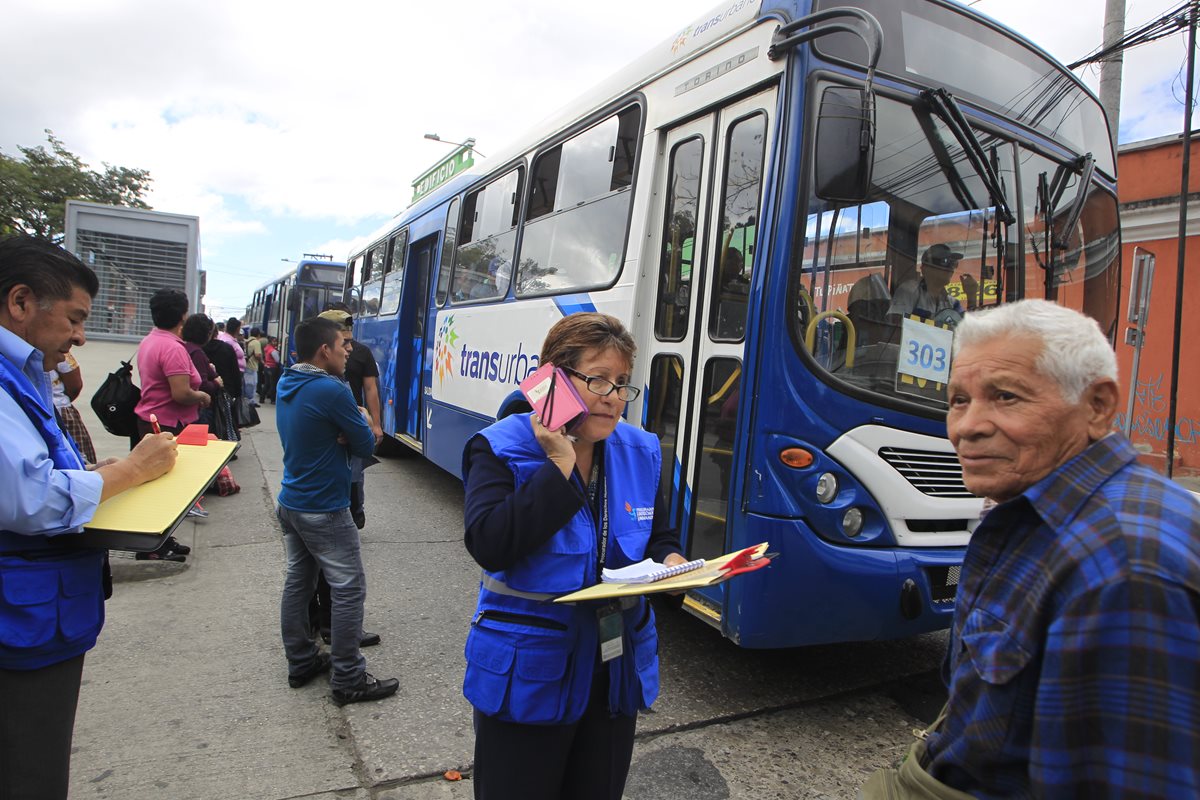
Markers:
{"x": 532, "y": 661}
{"x": 51, "y": 597}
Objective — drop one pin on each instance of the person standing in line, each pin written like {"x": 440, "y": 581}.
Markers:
{"x": 229, "y": 334}
{"x": 254, "y": 360}
{"x": 224, "y": 360}
{"x": 197, "y": 330}
{"x": 52, "y": 603}
{"x": 272, "y": 366}
{"x": 66, "y": 381}
{"x": 170, "y": 390}
{"x": 557, "y": 688}
{"x": 321, "y": 427}
{"x": 1074, "y": 658}
{"x": 362, "y": 373}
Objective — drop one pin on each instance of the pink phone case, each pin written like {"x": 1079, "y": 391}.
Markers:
{"x": 554, "y": 398}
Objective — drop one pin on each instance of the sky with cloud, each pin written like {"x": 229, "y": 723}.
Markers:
{"x": 297, "y": 127}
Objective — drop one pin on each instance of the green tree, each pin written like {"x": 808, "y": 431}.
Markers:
{"x": 35, "y": 188}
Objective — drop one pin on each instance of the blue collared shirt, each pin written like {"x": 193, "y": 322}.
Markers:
{"x": 1074, "y": 660}
{"x": 39, "y": 498}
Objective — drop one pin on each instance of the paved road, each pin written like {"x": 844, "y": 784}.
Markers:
{"x": 185, "y": 695}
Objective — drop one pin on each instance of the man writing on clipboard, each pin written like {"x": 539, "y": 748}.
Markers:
{"x": 51, "y": 594}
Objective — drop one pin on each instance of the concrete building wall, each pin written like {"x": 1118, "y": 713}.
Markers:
{"x": 1149, "y": 181}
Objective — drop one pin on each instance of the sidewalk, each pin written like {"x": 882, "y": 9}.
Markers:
{"x": 185, "y": 695}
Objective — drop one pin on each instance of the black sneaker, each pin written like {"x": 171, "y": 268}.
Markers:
{"x": 161, "y": 556}
{"x": 320, "y": 666}
{"x": 369, "y": 688}
{"x": 174, "y": 546}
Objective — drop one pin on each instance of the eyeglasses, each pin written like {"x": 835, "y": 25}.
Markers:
{"x": 604, "y": 387}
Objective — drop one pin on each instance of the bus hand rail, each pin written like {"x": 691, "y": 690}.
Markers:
{"x": 810, "y": 335}
{"x": 869, "y": 30}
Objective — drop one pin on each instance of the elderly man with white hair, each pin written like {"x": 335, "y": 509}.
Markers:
{"x": 1074, "y": 659}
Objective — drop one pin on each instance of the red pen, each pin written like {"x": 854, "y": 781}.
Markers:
{"x": 154, "y": 424}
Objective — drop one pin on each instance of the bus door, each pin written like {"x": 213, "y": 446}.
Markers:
{"x": 410, "y": 344}
{"x": 710, "y": 181}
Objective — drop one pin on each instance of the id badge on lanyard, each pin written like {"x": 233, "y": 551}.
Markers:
{"x": 609, "y": 618}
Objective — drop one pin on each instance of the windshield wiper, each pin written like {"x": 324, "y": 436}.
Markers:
{"x": 946, "y": 107}
{"x": 1086, "y": 165}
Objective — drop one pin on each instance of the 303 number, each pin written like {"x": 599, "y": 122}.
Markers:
{"x": 926, "y": 355}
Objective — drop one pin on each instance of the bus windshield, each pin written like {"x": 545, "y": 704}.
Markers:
{"x": 932, "y": 243}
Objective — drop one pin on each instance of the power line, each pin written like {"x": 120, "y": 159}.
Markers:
{"x": 1173, "y": 21}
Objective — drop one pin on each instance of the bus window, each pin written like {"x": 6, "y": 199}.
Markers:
{"x": 448, "y": 246}
{"x": 578, "y": 215}
{"x": 664, "y": 398}
{"x": 351, "y": 294}
{"x": 926, "y": 248}
{"x": 679, "y": 241}
{"x": 394, "y": 276}
{"x": 1083, "y": 275}
{"x": 741, "y": 191}
{"x": 483, "y": 265}
{"x": 722, "y": 380}
{"x": 372, "y": 288}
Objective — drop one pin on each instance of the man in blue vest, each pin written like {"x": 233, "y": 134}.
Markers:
{"x": 51, "y": 594}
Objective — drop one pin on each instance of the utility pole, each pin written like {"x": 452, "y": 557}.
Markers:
{"x": 1111, "y": 67}
{"x": 1193, "y": 9}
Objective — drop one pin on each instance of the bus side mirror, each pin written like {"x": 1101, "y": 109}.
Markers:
{"x": 845, "y": 147}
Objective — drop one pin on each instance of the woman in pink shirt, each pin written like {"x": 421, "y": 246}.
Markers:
{"x": 170, "y": 382}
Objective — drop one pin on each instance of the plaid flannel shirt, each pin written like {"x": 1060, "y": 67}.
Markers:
{"x": 1074, "y": 660}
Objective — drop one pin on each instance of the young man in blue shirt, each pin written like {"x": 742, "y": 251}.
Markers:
{"x": 51, "y": 593}
{"x": 321, "y": 427}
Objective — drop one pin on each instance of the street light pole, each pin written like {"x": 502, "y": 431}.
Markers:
{"x": 1183, "y": 201}
{"x": 469, "y": 143}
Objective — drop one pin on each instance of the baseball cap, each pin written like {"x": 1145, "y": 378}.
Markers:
{"x": 340, "y": 317}
{"x": 939, "y": 255}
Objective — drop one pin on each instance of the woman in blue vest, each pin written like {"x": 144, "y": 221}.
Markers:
{"x": 557, "y": 688}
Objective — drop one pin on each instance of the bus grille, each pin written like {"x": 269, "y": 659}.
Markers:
{"x": 936, "y": 474}
{"x": 943, "y": 583}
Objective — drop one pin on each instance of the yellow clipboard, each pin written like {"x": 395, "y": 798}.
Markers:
{"x": 714, "y": 570}
{"x": 142, "y": 517}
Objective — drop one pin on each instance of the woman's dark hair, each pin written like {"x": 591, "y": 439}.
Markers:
{"x": 197, "y": 329}
{"x": 168, "y": 307}
{"x": 575, "y": 334}
{"x": 312, "y": 334}
{"x": 48, "y": 270}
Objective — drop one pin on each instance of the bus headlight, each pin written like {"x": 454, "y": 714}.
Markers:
{"x": 852, "y": 522}
{"x": 827, "y": 487}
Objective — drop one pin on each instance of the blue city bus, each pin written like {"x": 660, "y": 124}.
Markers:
{"x": 305, "y": 290}
{"x": 755, "y": 198}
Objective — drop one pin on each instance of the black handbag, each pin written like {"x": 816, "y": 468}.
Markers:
{"x": 114, "y": 402}
{"x": 247, "y": 413}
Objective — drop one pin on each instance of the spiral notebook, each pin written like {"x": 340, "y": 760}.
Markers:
{"x": 648, "y": 571}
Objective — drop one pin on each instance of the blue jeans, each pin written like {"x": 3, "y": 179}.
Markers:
{"x": 326, "y": 542}
{"x": 249, "y": 384}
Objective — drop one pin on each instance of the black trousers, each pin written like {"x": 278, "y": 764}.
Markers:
{"x": 37, "y": 720}
{"x": 587, "y": 760}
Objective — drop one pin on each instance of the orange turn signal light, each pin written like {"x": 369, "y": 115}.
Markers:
{"x": 796, "y": 457}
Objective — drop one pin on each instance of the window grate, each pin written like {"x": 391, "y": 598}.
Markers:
{"x": 130, "y": 269}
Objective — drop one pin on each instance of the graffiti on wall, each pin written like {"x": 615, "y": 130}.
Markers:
{"x": 1150, "y": 416}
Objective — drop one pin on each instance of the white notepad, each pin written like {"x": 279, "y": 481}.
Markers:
{"x": 648, "y": 571}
